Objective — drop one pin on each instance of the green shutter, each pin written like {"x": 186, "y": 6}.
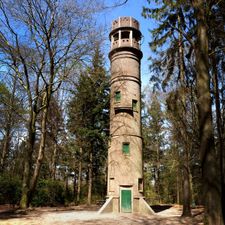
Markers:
{"x": 126, "y": 203}
{"x": 117, "y": 96}
{"x": 126, "y": 148}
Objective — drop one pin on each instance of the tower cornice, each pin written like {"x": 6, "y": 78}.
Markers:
{"x": 134, "y": 50}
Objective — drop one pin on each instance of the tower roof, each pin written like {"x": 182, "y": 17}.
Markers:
{"x": 125, "y": 22}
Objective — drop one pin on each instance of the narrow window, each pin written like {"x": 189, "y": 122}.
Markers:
{"x": 140, "y": 184}
{"x": 134, "y": 105}
{"x": 116, "y": 37}
{"x": 126, "y": 148}
{"x": 111, "y": 184}
{"x": 117, "y": 96}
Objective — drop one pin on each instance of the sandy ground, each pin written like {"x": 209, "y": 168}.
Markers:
{"x": 89, "y": 216}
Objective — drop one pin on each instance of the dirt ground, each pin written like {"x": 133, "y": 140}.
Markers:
{"x": 83, "y": 215}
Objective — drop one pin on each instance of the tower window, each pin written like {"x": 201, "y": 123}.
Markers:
{"x": 140, "y": 184}
{"x": 126, "y": 148}
{"x": 125, "y": 35}
{"x": 134, "y": 105}
{"x": 116, "y": 37}
{"x": 117, "y": 96}
{"x": 111, "y": 184}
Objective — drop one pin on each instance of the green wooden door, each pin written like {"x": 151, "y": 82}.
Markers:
{"x": 126, "y": 204}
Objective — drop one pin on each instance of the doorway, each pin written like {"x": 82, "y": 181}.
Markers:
{"x": 126, "y": 200}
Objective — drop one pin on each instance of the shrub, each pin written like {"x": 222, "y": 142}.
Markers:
{"x": 49, "y": 193}
{"x": 10, "y": 189}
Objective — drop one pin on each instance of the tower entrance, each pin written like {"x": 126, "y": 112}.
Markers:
{"x": 126, "y": 200}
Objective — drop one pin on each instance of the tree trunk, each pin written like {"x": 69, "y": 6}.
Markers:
{"x": 24, "y": 201}
{"x": 5, "y": 149}
{"x": 220, "y": 132}
{"x": 186, "y": 189}
{"x": 40, "y": 152}
{"x": 9, "y": 124}
{"x": 210, "y": 172}
{"x": 178, "y": 186}
{"x": 79, "y": 177}
{"x": 186, "y": 167}
{"x": 158, "y": 173}
{"x": 53, "y": 163}
{"x": 74, "y": 186}
{"x": 90, "y": 178}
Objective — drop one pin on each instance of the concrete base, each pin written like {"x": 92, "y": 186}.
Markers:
{"x": 139, "y": 206}
{"x": 144, "y": 207}
{"x": 107, "y": 207}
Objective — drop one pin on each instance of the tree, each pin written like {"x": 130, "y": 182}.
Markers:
{"x": 55, "y": 135}
{"x": 216, "y": 50}
{"x": 192, "y": 25}
{"x": 184, "y": 130}
{"x": 154, "y": 140}
{"x": 210, "y": 167}
{"x": 89, "y": 117}
{"x": 10, "y": 116}
{"x": 58, "y": 35}
{"x": 169, "y": 44}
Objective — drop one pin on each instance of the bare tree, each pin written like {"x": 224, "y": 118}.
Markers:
{"x": 43, "y": 41}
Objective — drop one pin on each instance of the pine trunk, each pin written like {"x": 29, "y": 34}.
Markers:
{"x": 186, "y": 167}
{"x": 178, "y": 186}
{"x": 74, "y": 187}
{"x": 79, "y": 178}
{"x": 186, "y": 190}
{"x": 90, "y": 178}
{"x": 220, "y": 132}
{"x": 53, "y": 163}
{"x": 210, "y": 168}
{"x": 158, "y": 173}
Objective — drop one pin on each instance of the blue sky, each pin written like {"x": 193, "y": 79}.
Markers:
{"x": 132, "y": 8}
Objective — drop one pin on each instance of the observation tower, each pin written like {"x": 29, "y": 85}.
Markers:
{"x": 125, "y": 167}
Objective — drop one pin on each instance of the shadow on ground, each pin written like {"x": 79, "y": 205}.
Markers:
{"x": 159, "y": 208}
{"x": 14, "y": 213}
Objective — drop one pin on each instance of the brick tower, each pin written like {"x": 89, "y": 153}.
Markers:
{"x": 125, "y": 169}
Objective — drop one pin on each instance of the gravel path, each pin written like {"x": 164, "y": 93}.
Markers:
{"x": 58, "y": 217}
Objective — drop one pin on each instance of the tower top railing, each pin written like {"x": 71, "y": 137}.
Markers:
{"x": 125, "y": 21}
{"x": 125, "y": 34}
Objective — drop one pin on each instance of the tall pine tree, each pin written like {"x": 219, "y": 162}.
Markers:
{"x": 89, "y": 118}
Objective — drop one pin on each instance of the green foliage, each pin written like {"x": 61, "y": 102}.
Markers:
{"x": 88, "y": 121}
{"x": 89, "y": 111}
{"x": 153, "y": 151}
{"x": 10, "y": 189}
{"x": 50, "y": 193}
{"x": 99, "y": 189}
{"x": 174, "y": 19}
{"x": 153, "y": 122}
